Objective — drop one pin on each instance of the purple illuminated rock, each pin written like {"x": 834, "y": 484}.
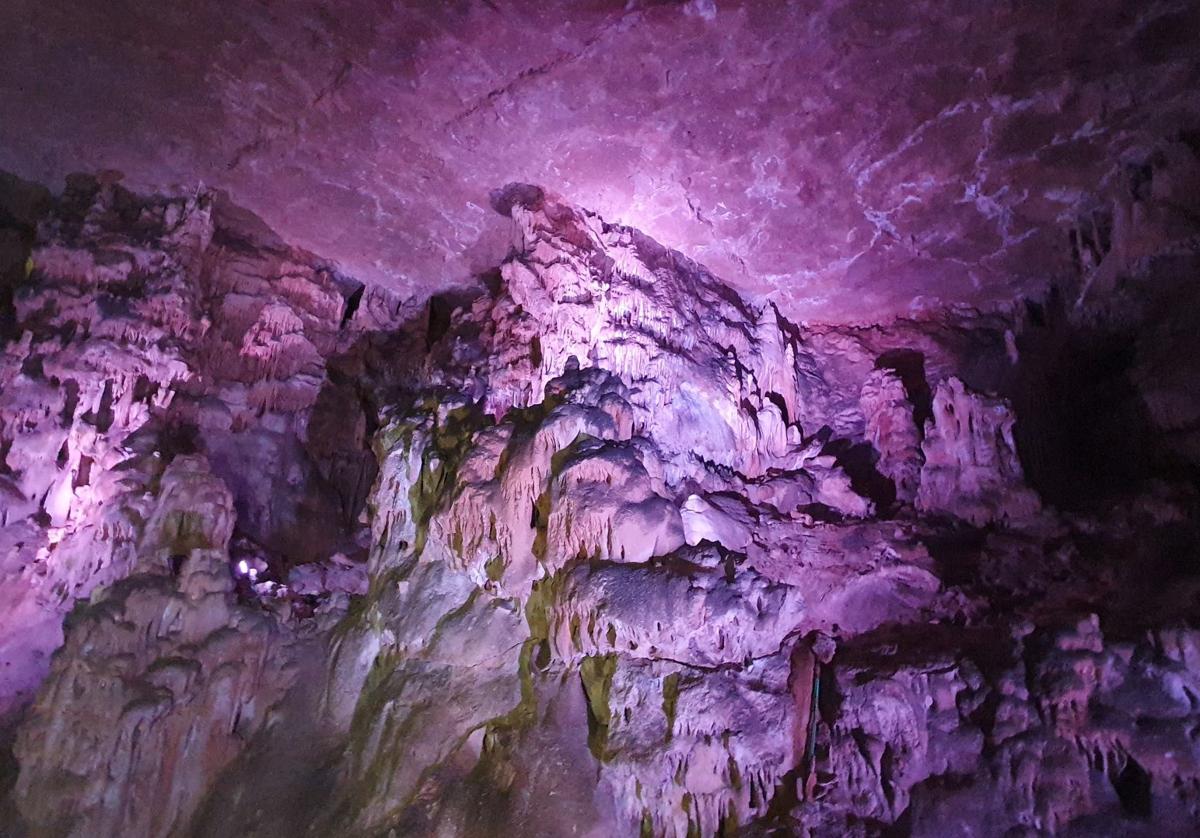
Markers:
{"x": 854, "y": 162}
{"x": 624, "y": 556}
{"x": 892, "y": 430}
{"x": 971, "y": 469}
{"x": 162, "y": 681}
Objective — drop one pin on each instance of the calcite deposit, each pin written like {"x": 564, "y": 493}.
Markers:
{"x": 179, "y": 674}
{"x": 150, "y": 329}
{"x": 606, "y": 549}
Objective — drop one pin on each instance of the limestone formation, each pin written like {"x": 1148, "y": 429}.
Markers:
{"x": 892, "y": 430}
{"x": 607, "y": 549}
{"x": 971, "y": 469}
{"x": 162, "y": 681}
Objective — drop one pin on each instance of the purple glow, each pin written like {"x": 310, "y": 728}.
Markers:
{"x": 854, "y": 489}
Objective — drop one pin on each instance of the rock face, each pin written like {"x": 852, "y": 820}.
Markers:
{"x": 893, "y": 431}
{"x": 1075, "y": 735}
{"x": 637, "y": 556}
{"x": 148, "y": 328}
{"x": 971, "y": 468}
{"x": 160, "y": 684}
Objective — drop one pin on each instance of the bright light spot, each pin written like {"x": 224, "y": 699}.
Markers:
{"x": 243, "y": 567}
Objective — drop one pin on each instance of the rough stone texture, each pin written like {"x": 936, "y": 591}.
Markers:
{"x": 640, "y": 557}
{"x": 970, "y": 466}
{"x": 893, "y": 431}
{"x": 699, "y": 663}
{"x": 160, "y": 684}
{"x": 145, "y": 328}
{"x": 1069, "y": 737}
{"x": 850, "y": 160}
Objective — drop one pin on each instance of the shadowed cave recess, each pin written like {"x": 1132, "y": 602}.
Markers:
{"x": 586, "y": 419}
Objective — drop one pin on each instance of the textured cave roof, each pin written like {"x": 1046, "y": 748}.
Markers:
{"x": 851, "y": 160}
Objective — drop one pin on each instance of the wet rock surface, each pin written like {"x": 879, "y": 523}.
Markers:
{"x": 161, "y": 682}
{"x": 606, "y": 550}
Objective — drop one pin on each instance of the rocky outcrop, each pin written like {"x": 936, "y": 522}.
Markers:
{"x": 971, "y": 469}
{"x": 548, "y": 511}
{"x": 541, "y": 521}
{"x": 103, "y": 343}
{"x": 1070, "y": 736}
{"x": 640, "y": 557}
{"x": 148, "y": 327}
{"x": 163, "y": 679}
{"x": 892, "y": 430}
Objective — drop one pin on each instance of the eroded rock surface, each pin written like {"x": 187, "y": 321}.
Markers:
{"x": 637, "y": 556}
{"x": 145, "y": 328}
{"x": 162, "y": 681}
{"x": 561, "y": 465}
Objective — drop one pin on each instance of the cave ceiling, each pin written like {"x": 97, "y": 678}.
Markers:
{"x": 850, "y": 160}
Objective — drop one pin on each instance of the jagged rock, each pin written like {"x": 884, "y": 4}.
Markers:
{"x": 686, "y": 750}
{"x": 711, "y": 379}
{"x": 339, "y": 575}
{"x": 562, "y": 494}
{"x": 161, "y": 682}
{"x": 898, "y": 731}
{"x": 632, "y": 565}
{"x": 146, "y": 326}
{"x": 693, "y": 608}
{"x": 1058, "y": 752}
{"x": 892, "y": 429}
{"x": 971, "y": 466}
{"x": 722, "y": 521}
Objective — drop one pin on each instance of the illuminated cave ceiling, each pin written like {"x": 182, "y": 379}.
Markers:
{"x": 850, "y": 159}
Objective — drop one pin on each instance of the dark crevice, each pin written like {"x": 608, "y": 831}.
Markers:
{"x": 778, "y": 401}
{"x": 858, "y": 461}
{"x": 1133, "y": 787}
{"x": 438, "y": 318}
{"x": 909, "y": 366}
{"x": 1082, "y": 431}
{"x": 352, "y": 302}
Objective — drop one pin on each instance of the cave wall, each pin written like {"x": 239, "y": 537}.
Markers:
{"x": 605, "y": 547}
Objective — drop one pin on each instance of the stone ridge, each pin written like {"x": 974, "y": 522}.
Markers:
{"x": 554, "y": 498}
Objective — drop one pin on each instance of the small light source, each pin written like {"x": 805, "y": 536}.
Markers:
{"x": 243, "y": 567}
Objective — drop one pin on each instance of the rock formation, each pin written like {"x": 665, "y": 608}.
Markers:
{"x": 970, "y": 459}
{"x": 150, "y": 328}
{"x": 179, "y": 673}
{"x": 607, "y": 550}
